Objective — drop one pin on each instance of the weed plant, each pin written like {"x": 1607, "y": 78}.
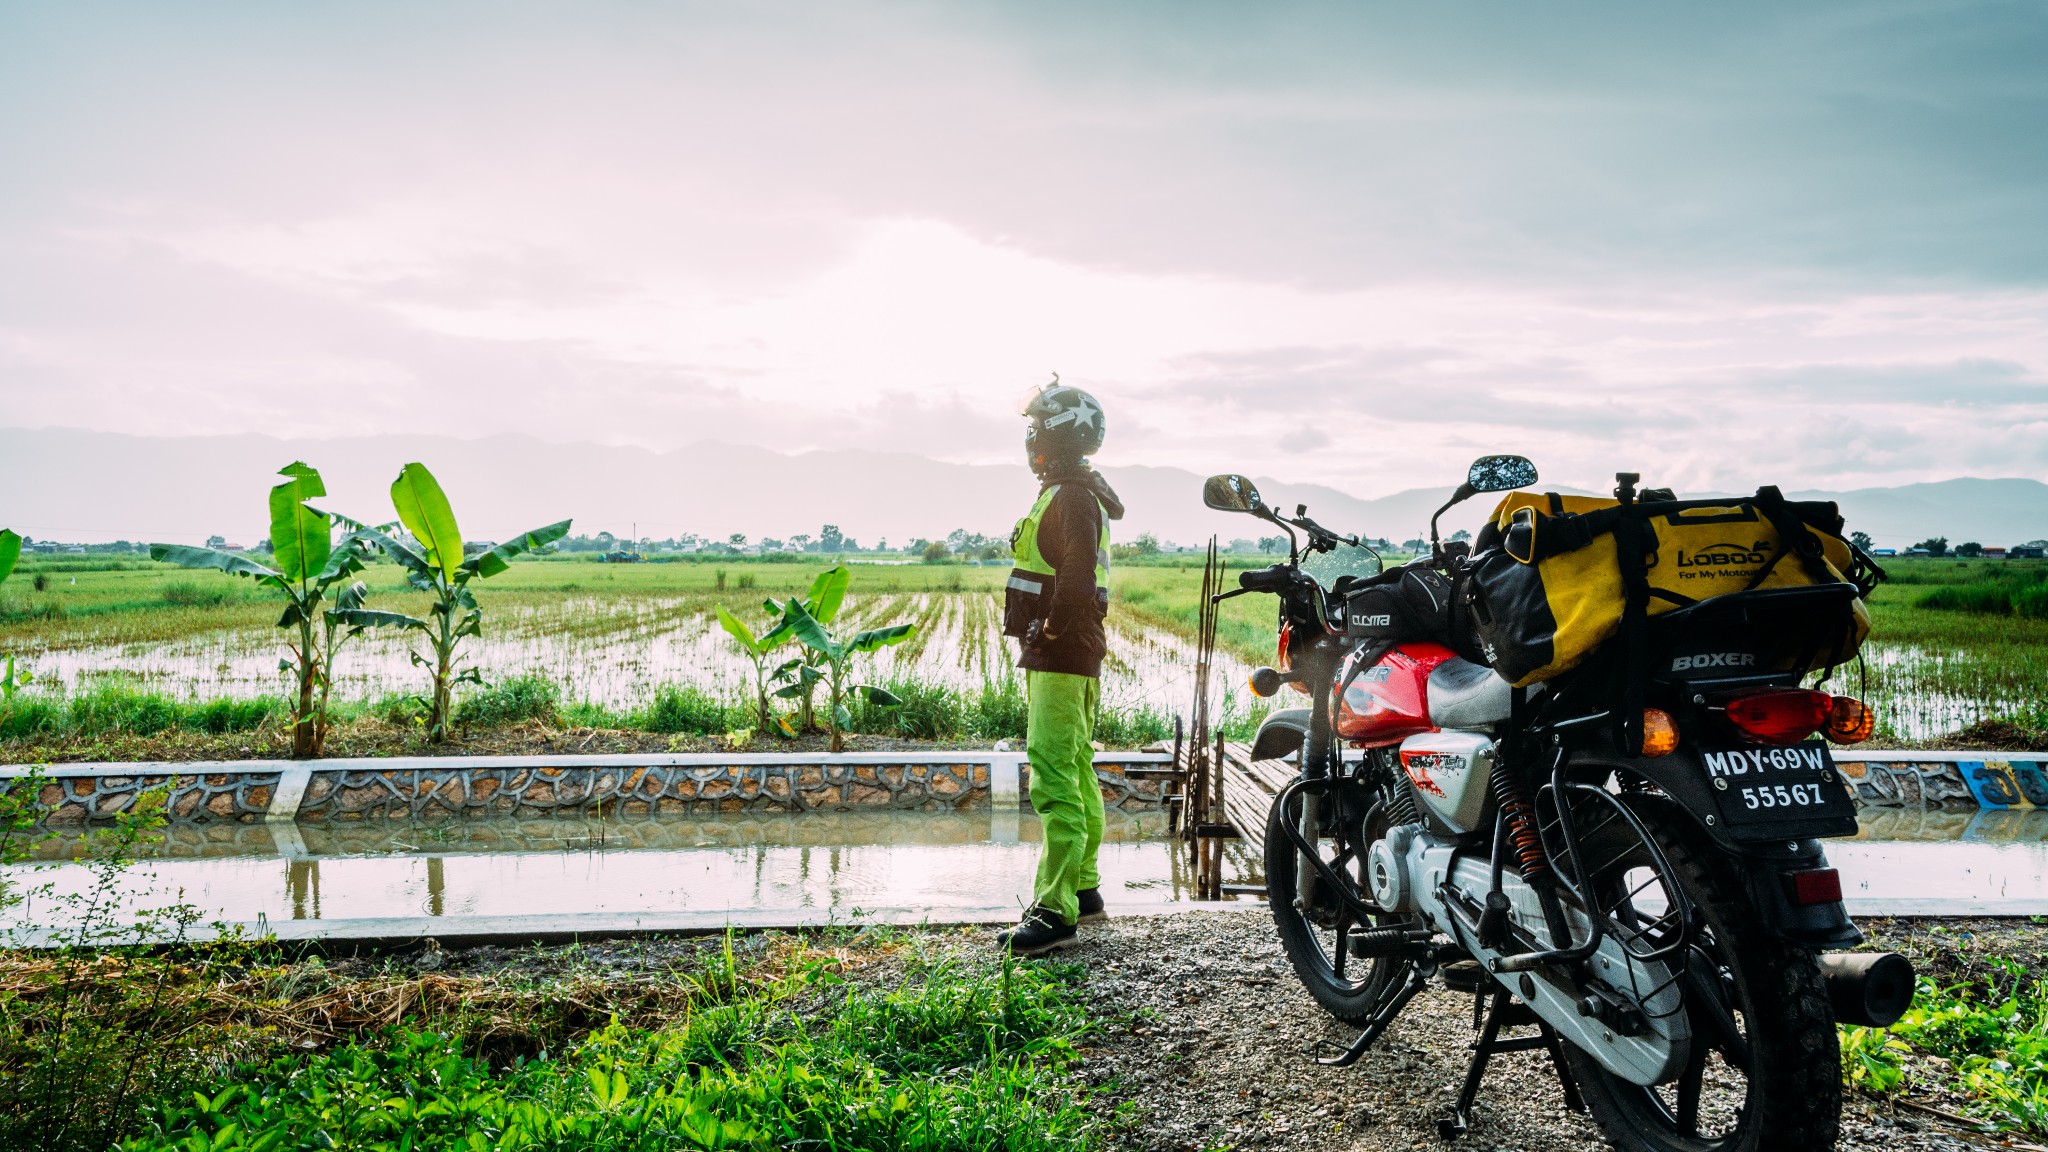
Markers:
{"x": 954, "y": 1057}
{"x": 1993, "y": 1032}
{"x": 83, "y": 1024}
{"x": 112, "y": 706}
{"x": 527, "y": 698}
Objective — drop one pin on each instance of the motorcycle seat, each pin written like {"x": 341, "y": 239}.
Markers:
{"x": 1467, "y": 695}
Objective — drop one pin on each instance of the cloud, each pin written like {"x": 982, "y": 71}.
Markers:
{"x": 1355, "y": 244}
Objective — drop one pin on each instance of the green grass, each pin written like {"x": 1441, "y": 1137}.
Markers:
{"x": 1992, "y": 1031}
{"x": 110, "y": 705}
{"x": 953, "y": 1056}
{"x": 525, "y": 698}
{"x": 931, "y": 712}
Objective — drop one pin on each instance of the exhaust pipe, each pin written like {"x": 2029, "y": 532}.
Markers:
{"x": 1868, "y": 989}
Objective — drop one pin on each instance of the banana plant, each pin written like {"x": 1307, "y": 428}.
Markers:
{"x": 838, "y": 657}
{"x": 308, "y": 563}
{"x": 757, "y": 649}
{"x": 801, "y": 676}
{"x": 437, "y": 567}
{"x": 335, "y": 633}
{"x": 11, "y": 682}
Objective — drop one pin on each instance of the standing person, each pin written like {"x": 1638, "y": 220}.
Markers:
{"x": 1056, "y": 601}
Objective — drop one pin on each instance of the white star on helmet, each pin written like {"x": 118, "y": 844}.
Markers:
{"x": 1081, "y": 413}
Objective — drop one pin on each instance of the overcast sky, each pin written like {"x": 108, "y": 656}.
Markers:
{"x": 1349, "y": 243}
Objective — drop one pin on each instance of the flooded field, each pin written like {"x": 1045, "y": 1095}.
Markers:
{"x": 613, "y": 635}
{"x": 616, "y": 652}
{"x": 842, "y": 864}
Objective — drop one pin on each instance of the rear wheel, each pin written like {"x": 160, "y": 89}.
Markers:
{"x": 1316, "y": 938}
{"x": 1765, "y": 1068}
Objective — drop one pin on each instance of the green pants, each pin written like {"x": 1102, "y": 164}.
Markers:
{"x": 1058, "y": 742}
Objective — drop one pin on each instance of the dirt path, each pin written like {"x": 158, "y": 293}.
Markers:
{"x": 1216, "y": 1058}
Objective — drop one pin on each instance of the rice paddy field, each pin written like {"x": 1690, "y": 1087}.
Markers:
{"x": 1956, "y": 642}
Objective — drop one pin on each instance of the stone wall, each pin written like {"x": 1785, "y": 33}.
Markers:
{"x": 457, "y": 791}
{"x": 2016, "y": 782}
{"x": 211, "y": 796}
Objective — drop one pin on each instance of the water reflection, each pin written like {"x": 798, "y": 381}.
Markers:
{"x": 1935, "y": 861}
{"x": 952, "y": 861}
{"x": 1984, "y": 825}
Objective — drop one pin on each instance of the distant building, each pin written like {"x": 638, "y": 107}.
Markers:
{"x": 2026, "y": 552}
{"x": 1993, "y": 553}
{"x": 622, "y": 557}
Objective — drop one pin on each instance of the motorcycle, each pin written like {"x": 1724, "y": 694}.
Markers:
{"x": 1657, "y": 915}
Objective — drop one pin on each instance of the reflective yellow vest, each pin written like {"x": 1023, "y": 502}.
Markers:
{"x": 1029, "y": 596}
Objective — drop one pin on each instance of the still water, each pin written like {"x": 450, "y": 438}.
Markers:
{"x": 839, "y": 862}
{"x": 843, "y": 864}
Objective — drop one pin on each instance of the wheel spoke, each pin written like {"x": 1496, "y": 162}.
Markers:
{"x": 1709, "y": 1009}
{"x": 1689, "y": 1083}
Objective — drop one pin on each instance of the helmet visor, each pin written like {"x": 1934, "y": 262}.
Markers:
{"x": 1029, "y": 398}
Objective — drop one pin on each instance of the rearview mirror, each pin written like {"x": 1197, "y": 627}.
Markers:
{"x": 1231, "y": 493}
{"x": 1501, "y": 474}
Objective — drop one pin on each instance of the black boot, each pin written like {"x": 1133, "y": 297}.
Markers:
{"x": 1041, "y": 931}
{"x": 1092, "y": 911}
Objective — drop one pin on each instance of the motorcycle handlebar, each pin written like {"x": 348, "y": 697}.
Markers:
{"x": 1273, "y": 579}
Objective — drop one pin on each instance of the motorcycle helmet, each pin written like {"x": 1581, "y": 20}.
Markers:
{"x": 1066, "y": 424}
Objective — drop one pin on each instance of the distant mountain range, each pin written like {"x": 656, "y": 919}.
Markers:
{"x": 72, "y": 485}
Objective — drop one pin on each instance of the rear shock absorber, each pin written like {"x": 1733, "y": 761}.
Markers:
{"x": 1518, "y": 817}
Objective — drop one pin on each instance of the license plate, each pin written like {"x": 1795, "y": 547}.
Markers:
{"x": 1772, "y": 792}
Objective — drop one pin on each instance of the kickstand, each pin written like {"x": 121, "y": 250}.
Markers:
{"x": 1381, "y": 1019}
{"x": 1502, "y": 1010}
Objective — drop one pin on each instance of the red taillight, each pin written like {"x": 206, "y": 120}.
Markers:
{"x": 1780, "y": 715}
{"x": 1814, "y": 886}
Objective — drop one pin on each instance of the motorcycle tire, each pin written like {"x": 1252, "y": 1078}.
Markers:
{"x": 1771, "y": 992}
{"x": 1338, "y": 988}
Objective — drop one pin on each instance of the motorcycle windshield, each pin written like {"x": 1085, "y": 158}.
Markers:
{"x": 1343, "y": 560}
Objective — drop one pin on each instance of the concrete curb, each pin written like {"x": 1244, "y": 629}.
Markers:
{"x": 398, "y": 933}
{"x": 394, "y": 932}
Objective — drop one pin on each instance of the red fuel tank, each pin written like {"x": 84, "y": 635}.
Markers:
{"x": 1389, "y": 702}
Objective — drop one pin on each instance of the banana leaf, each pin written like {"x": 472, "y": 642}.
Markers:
{"x": 423, "y": 509}
{"x": 828, "y": 592}
{"x": 811, "y": 634}
{"x": 875, "y": 638}
{"x": 300, "y": 537}
{"x": 10, "y": 551}
{"x": 377, "y": 618}
{"x": 346, "y": 559}
{"x": 419, "y": 572}
{"x": 485, "y": 565}
{"x": 186, "y": 556}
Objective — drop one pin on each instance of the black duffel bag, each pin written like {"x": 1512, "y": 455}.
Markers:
{"x": 1406, "y": 605}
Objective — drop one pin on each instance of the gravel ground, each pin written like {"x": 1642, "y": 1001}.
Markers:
{"x": 1213, "y": 1055}
{"x": 1205, "y": 1030}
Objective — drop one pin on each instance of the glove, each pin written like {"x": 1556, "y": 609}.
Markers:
{"x": 1034, "y": 634}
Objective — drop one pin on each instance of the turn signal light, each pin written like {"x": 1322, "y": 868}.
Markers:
{"x": 1660, "y": 733}
{"x": 1264, "y": 682}
{"x": 1851, "y": 721}
{"x": 1780, "y": 715}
